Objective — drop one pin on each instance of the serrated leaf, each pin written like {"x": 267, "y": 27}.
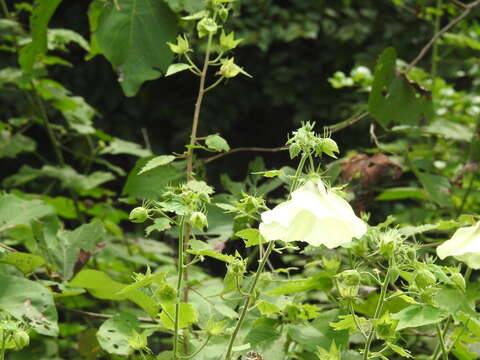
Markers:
{"x": 437, "y": 187}
{"x": 175, "y": 68}
{"x": 419, "y": 315}
{"x": 320, "y": 281}
{"x": 152, "y": 184}
{"x": 15, "y": 211}
{"x": 188, "y": 315}
{"x": 200, "y": 187}
{"x": 267, "y": 308}
{"x": 217, "y": 143}
{"x": 39, "y": 20}
{"x": 393, "y": 99}
{"x": 63, "y": 248}
{"x": 24, "y": 262}
{"x": 12, "y": 145}
{"x": 30, "y": 302}
{"x": 156, "y": 162}
{"x": 252, "y": 237}
{"x": 201, "y": 248}
{"x": 118, "y": 146}
{"x": 58, "y": 39}
{"x": 262, "y": 331}
{"x": 124, "y": 35}
{"x": 399, "y": 350}
{"x": 114, "y": 333}
{"x": 159, "y": 224}
{"x": 101, "y": 286}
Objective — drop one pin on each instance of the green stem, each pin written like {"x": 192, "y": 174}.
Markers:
{"x": 378, "y": 311}
{"x": 5, "y": 9}
{"x": 248, "y": 298}
{"x": 2, "y": 350}
{"x": 355, "y": 320}
{"x": 180, "y": 269}
{"x": 435, "y": 46}
{"x": 261, "y": 266}
{"x": 198, "y": 350}
{"x": 440, "y": 335}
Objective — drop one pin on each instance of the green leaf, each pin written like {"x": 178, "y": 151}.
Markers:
{"x": 101, "y": 286}
{"x": 24, "y": 262}
{"x": 159, "y": 224}
{"x": 156, "y": 162}
{"x": 419, "y": 315}
{"x": 152, "y": 184}
{"x": 118, "y": 146}
{"x": 262, "y": 330}
{"x": 201, "y": 248}
{"x": 252, "y": 237}
{"x": 454, "y": 301}
{"x": 401, "y": 193}
{"x": 58, "y": 39}
{"x": 437, "y": 187}
{"x": 393, "y": 99}
{"x": 29, "y": 301}
{"x": 114, "y": 333}
{"x": 70, "y": 178}
{"x": 12, "y": 145}
{"x": 39, "y": 20}
{"x": 175, "y": 68}
{"x": 64, "y": 248}
{"x": 15, "y": 211}
{"x": 319, "y": 281}
{"x": 267, "y": 308}
{"x": 124, "y": 36}
{"x": 399, "y": 350}
{"x": 188, "y": 315}
{"x": 217, "y": 143}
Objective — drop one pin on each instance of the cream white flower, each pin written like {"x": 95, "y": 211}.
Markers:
{"x": 463, "y": 246}
{"x": 314, "y": 215}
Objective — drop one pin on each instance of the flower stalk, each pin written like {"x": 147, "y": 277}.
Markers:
{"x": 180, "y": 270}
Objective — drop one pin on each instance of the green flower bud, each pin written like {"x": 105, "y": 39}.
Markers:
{"x": 459, "y": 281}
{"x": 166, "y": 293}
{"x": 427, "y": 294}
{"x": 21, "y": 339}
{"x": 348, "y": 283}
{"x": 294, "y": 149}
{"x": 387, "y": 245}
{"x": 138, "y": 215}
{"x": 199, "y": 220}
{"x": 181, "y": 47}
{"x": 327, "y": 146}
{"x": 424, "y": 278}
{"x": 215, "y": 328}
{"x": 385, "y": 327}
{"x": 223, "y": 14}
{"x": 227, "y": 42}
{"x": 229, "y": 69}
{"x": 206, "y": 26}
{"x": 237, "y": 267}
{"x": 361, "y": 73}
{"x": 138, "y": 341}
{"x": 394, "y": 274}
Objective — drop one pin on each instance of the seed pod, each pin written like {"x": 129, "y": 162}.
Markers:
{"x": 138, "y": 215}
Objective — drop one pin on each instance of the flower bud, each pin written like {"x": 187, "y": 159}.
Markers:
{"x": 181, "y": 47}
{"x": 385, "y": 327}
{"x": 328, "y": 146}
{"x": 387, "y": 245}
{"x": 229, "y": 69}
{"x": 227, "y": 42}
{"x": 427, "y": 294}
{"x": 294, "y": 149}
{"x": 394, "y": 274}
{"x": 165, "y": 293}
{"x": 237, "y": 267}
{"x": 361, "y": 73}
{"x": 21, "y": 339}
{"x": 348, "y": 283}
{"x": 138, "y": 215}
{"x": 215, "y": 328}
{"x": 223, "y": 14}
{"x": 459, "y": 281}
{"x": 206, "y": 26}
{"x": 424, "y": 278}
{"x": 138, "y": 341}
{"x": 199, "y": 220}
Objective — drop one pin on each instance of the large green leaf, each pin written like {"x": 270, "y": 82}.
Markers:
{"x": 437, "y": 187}
{"x": 11, "y": 145}
{"x": 29, "y": 301}
{"x": 394, "y": 98}
{"x": 63, "y": 248}
{"x": 24, "y": 262}
{"x": 133, "y": 37}
{"x": 114, "y": 333}
{"x": 102, "y": 286}
{"x": 419, "y": 315}
{"x": 150, "y": 185}
{"x": 15, "y": 211}
{"x": 41, "y": 14}
{"x": 319, "y": 281}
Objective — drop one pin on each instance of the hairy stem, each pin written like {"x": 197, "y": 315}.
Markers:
{"x": 441, "y": 339}
{"x": 248, "y": 298}
{"x": 378, "y": 311}
{"x": 180, "y": 269}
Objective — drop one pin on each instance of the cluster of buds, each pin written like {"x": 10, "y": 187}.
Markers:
{"x": 306, "y": 141}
